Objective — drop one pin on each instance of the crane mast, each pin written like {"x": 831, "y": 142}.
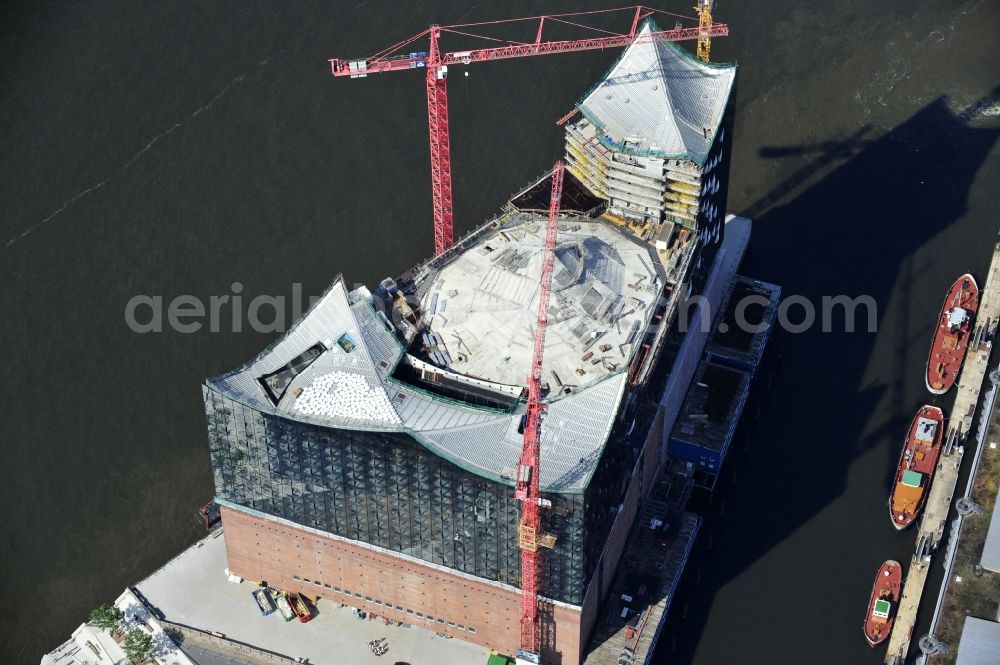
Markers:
{"x": 527, "y": 489}
{"x": 436, "y": 63}
{"x": 704, "y": 9}
{"x": 437, "y": 123}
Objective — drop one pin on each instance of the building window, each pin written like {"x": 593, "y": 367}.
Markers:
{"x": 378, "y": 602}
{"x": 399, "y": 608}
{"x": 357, "y": 595}
{"x": 420, "y": 614}
{"x": 307, "y": 580}
{"x": 317, "y": 583}
{"x": 337, "y": 589}
{"x": 327, "y": 586}
{"x": 471, "y": 629}
{"x": 296, "y": 577}
{"x": 409, "y": 611}
{"x": 440, "y": 620}
{"x": 368, "y": 598}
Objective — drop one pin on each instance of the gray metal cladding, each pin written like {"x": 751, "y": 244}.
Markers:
{"x": 660, "y": 100}
{"x": 480, "y": 440}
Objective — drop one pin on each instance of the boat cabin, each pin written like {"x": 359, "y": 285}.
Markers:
{"x": 957, "y": 318}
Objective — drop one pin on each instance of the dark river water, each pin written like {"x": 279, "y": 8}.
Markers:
{"x": 176, "y": 148}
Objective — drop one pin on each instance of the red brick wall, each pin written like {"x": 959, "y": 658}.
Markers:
{"x": 262, "y": 549}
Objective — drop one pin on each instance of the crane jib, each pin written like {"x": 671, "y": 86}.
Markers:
{"x": 419, "y": 59}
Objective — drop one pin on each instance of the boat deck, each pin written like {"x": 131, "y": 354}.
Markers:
{"x": 885, "y": 593}
{"x": 949, "y": 345}
{"x": 921, "y": 457}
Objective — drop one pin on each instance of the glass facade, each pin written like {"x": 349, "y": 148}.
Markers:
{"x": 386, "y": 489}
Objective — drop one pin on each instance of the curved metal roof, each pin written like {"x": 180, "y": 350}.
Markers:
{"x": 660, "y": 100}
{"x": 353, "y": 389}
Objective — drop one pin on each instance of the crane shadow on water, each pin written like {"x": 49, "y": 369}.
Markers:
{"x": 790, "y": 535}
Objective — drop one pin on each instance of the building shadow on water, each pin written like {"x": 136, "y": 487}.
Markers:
{"x": 877, "y": 225}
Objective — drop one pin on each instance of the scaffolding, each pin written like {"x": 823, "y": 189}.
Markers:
{"x": 641, "y": 190}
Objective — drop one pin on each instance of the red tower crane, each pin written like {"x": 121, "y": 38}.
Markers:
{"x": 394, "y": 58}
{"x": 528, "y": 489}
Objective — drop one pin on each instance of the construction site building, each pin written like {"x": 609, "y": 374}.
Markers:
{"x": 368, "y": 456}
{"x": 651, "y": 141}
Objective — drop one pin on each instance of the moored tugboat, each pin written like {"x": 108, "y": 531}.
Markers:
{"x": 951, "y": 337}
{"x": 883, "y": 603}
{"x": 917, "y": 464}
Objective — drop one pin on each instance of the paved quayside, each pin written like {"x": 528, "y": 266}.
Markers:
{"x": 193, "y": 591}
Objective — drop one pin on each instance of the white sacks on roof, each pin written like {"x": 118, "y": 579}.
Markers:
{"x": 345, "y": 395}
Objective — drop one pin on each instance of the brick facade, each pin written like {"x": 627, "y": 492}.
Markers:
{"x": 339, "y": 570}
{"x": 298, "y": 560}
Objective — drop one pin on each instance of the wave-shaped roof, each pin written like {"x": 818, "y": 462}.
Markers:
{"x": 660, "y": 100}
{"x": 349, "y": 386}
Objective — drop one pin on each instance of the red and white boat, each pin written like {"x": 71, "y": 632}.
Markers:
{"x": 951, "y": 337}
{"x": 883, "y": 603}
{"x": 917, "y": 464}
